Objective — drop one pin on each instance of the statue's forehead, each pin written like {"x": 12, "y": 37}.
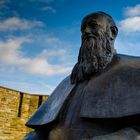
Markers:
{"x": 97, "y": 18}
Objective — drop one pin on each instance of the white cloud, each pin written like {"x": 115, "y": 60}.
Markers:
{"x": 42, "y": 67}
{"x": 53, "y": 41}
{"x": 10, "y": 50}
{"x": 132, "y": 11}
{"x": 48, "y": 8}
{"x": 15, "y": 23}
{"x": 52, "y": 53}
{"x": 10, "y": 54}
{"x": 130, "y": 24}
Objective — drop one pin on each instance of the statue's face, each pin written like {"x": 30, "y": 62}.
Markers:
{"x": 98, "y": 34}
{"x": 98, "y": 23}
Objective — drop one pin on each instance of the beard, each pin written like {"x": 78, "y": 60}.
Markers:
{"x": 94, "y": 56}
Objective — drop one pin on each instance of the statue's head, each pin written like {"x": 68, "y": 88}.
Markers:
{"x": 97, "y": 24}
{"x": 97, "y": 50}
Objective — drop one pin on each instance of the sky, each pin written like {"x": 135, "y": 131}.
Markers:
{"x": 40, "y": 39}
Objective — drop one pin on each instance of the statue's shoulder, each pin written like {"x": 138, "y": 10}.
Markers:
{"x": 114, "y": 93}
{"x": 49, "y": 110}
{"x": 123, "y": 65}
{"x": 127, "y": 60}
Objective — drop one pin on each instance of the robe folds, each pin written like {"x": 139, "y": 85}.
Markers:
{"x": 111, "y": 94}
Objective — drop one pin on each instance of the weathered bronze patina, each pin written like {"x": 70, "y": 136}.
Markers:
{"x": 100, "y": 100}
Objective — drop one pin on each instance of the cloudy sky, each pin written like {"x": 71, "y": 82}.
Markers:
{"x": 40, "y": 39}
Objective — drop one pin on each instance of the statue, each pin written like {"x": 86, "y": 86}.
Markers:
{"x": 100, "y": 100}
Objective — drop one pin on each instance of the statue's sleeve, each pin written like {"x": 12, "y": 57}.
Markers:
{"x": 34, "y": 135}
{"x": 49, "y": 110}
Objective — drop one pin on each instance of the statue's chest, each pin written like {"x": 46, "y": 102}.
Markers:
{"x": 70, "y": 113}
{"x": 115, "y": 94}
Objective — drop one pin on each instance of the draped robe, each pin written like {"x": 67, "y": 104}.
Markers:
{"x": 103, "y": 105}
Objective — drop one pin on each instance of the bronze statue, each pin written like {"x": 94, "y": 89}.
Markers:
{"x": 100, "y": 100}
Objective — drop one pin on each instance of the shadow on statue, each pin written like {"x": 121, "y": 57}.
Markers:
{"x": 100, "y": 100}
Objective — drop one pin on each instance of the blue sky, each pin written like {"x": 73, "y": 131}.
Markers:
{"x": 40, "y": 39}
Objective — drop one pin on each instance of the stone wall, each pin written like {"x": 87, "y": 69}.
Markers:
{"x": 15, "y": 109}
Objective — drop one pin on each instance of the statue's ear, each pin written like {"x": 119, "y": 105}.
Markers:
{"x": 114, "y": 32}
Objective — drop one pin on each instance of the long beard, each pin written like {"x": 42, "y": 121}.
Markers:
{"x": 95, "y": 54}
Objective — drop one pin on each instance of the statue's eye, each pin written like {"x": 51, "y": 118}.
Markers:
{"x": 93, "y": 25}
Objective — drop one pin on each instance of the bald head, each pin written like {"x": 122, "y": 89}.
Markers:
{"x": 98, "y": 34}
{"x": 98, "y": 22}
